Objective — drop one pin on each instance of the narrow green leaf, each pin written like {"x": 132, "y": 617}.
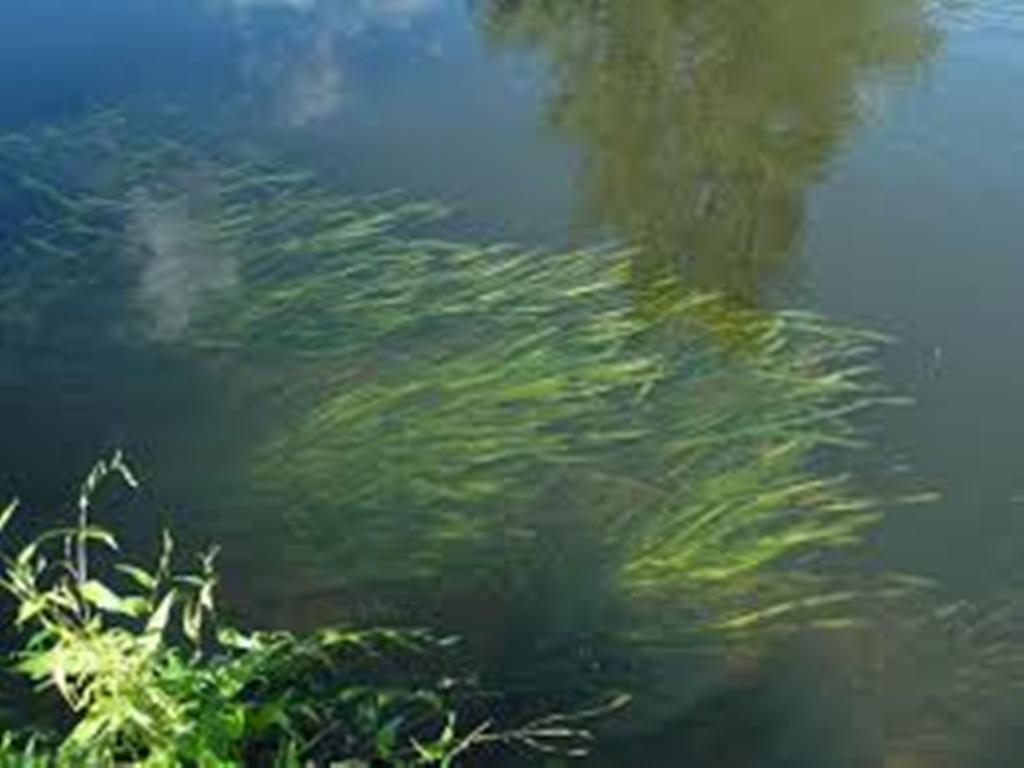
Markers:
{"x": 28, "y": 610}
{"x": 158, "y": 621}
{"x": 192, "y": 621}
{"x": 7, "y": 514}
{"x": 232, "y": 638}
{"x": 94, "y": 533}
{"x": 101, "y": 596}
{"x": 138, "y": 575}
{"x": 25, "y": 556}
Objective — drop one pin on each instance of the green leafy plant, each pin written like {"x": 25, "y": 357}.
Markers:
{"x": 150, "y": 679}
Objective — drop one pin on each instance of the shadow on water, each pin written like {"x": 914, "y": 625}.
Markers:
{"x": 702, "y": 124}
{"x": 392, "y": 427}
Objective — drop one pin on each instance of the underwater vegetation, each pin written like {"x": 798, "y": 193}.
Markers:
{"x": 489, "y": 439}
{"x": 467, "y": 412}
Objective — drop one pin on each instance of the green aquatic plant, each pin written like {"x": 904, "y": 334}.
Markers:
{"x": 147, "y": 675}
{"x": 492, "y": 436}
{"x": 467, "y": 412}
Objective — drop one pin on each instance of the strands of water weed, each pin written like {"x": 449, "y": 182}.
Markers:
{"x": 447, "y": 414}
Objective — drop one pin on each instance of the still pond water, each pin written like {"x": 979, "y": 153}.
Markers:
{"x": 863, "y": 159}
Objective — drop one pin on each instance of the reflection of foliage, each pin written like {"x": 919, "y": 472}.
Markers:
{"x": 701, "y": 124}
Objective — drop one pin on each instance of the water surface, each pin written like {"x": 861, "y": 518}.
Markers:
{"x": 861, "y": 159}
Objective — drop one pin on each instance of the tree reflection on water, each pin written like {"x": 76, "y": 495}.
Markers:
{"x": 702, "y": 125}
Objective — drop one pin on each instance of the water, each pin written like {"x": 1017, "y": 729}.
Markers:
{"x": 862, "y": 160}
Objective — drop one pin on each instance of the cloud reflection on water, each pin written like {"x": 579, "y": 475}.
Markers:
{"x": 302, "y": 67}
{"x": 181, "y": 264}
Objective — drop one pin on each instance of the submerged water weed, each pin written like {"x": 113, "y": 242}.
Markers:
{"x": 471, "y": 429}
{"x": 148, "y": 677}
{"x": 472, "y": 415}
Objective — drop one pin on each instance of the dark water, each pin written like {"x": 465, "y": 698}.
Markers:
{"x": 861, "y": 158}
